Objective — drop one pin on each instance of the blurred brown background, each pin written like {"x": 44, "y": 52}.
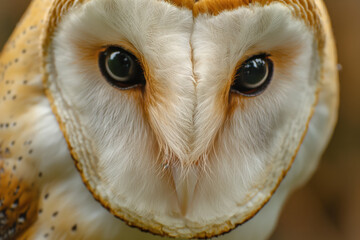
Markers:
{"x": 328, "y": 207}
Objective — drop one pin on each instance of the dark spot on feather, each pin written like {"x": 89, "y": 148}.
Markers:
{"x": 15, "y": 204}
{"x": 74, "y": 228}
{"x": 22, "y": 218}
{"x": 16, "y": 190}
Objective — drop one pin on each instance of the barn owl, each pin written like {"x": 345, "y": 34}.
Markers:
{"x": 181, "y": 118}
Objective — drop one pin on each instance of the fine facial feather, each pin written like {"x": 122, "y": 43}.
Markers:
{"x": 268, "y": 30}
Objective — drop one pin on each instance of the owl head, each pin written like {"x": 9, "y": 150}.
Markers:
{"x": 183, "y": 117}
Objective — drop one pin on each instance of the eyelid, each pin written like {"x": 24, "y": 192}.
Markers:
{"x": 246, "y": 58}
{"x": 127, "y": 46}
{"x": 260, "y": 55}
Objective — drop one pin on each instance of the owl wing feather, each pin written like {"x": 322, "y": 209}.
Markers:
{"x": 18, "y": 204}
{"x": 20, "y": 92}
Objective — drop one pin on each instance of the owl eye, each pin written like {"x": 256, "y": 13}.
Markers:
{"x": 120, "y": 68}
{"x": 253, "y": 76}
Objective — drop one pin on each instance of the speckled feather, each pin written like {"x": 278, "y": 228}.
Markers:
{"x": 21, "y": 90}
{"x": 23, "y": 196}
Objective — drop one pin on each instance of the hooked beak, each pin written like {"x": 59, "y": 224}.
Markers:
{"x": 185, "y": 184}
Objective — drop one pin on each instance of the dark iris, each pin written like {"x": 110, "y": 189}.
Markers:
{"x": 120, "y": 68}
{"x": 253, "y": 76}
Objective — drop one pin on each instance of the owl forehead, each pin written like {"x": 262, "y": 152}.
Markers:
{"x": 304, "y": 10}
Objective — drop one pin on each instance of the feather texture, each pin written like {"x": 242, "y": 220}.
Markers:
{"x": 182, "y": 156}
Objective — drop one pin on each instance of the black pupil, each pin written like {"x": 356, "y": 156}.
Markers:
{"x": 253, "y": 72}
{"x": 120, "y": 64}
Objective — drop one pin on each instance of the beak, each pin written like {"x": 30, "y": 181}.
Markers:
{"x": 185, "y": 183}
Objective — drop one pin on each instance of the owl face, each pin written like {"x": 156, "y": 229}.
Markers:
{"x": 183, "y": 117}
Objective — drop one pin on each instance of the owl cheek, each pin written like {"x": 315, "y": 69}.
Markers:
{"x": 235, "y": 103}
